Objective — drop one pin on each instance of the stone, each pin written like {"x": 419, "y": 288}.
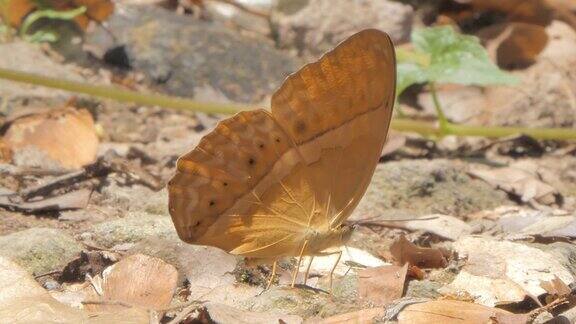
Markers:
{"x": 135, "y": 198}
{"x": 40, "y": 250}
{"x": 409, "y": 188}
{"x": 135, "y": 227}
{"x": 193, "y": 58}
{"x": 316, "y": 26}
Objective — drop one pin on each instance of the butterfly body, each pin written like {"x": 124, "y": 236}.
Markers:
{"x": 279, "y": 184}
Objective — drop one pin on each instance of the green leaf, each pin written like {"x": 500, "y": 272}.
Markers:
{"x": 457, "y": 58}
{"x": 441, "y": 55}
{"x": 409, "y": 73}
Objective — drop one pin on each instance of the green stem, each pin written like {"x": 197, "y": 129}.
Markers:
{"x": 406, "y": 125}
{"x": 441, "y": 117}
{"x": 119, "y": 94}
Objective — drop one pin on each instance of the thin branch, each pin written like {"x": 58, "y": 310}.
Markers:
{"x": 423, "y": 128}
{"x": 121, "y": 95}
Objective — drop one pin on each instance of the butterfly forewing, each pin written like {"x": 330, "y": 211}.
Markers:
{"x": 260, "y": 183}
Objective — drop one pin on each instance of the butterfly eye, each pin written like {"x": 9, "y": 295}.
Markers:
{"x": 261, "y": 146}
{"x": 212, "y": 203}
{"x": 251, "y": 161}
{"x": 225, "y": 184}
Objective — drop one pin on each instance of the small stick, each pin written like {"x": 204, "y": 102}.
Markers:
{"x": 298, "y": 265}
{"x": 333, "y": 269}
{"x": 274, "y": 265}
{"x": 308, "y": 270}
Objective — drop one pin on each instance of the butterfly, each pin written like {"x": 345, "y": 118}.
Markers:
{"x": 269, "y": 185}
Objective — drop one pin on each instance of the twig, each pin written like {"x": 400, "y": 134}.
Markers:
{"x": 47, "y": 274}
{"x": 106, "y": 302}
{"x": 172, "y": 308}
{"x": 423, "y": 128}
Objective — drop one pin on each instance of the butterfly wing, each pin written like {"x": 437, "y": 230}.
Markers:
{"x": 338, "y": 111}
{"x": 260, "y": 183}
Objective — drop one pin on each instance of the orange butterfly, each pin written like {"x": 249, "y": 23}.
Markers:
{"x": 271, "y": 185}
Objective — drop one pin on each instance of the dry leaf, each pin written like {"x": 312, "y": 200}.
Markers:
{"x": 498, "y": 272}
{"x": 71, "y": 200}
{"x": 5, "y": 152}
{"x": 516, "y": 221}
{"x": 15, "y": 11}
{"x": 138, "y": 280}
{"x": 22, "y": 300}
{"x": 519, "y": 180}
{"x": 556, "y": 287}
{"x": 405, "y": 251}
{"x": 382, "y": 285}
{"x": 456, "y": 312}
{"x": 364, "y": 316}
{"x": 64, "y": 135}
{"x": 530, "y": 11}
{"x": 514, "y": 44}
{"x": 97, "y": 10}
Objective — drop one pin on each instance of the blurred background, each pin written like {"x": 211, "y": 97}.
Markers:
{"x": 82, "y": 177}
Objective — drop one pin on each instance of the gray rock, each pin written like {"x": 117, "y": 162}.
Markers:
{"x": 135, "y": 227}
{"x": 135, "y": 198}
{"x": 303, "y": 302}
{"x": 423, "y": 289}
{"x": 321, "y": 24}
{"x": 193, "y": 58}
{"x": 564, "y": 252}
{"x": 40, "y": 250}
{"x": 407, "y": 188}
{"x": 203, "y": 266}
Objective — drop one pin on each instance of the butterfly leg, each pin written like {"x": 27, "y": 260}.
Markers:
{"x": 308, "y": 269}
{"x": 333, "y": 269}
{"x": 298, "y": 264}
{"x": 274, "y": 265}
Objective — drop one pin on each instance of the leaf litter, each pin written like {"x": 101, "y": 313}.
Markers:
{"x": 505, "y": 265}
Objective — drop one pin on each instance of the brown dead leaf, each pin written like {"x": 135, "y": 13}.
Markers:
{"x": 364, "y": 316}
{"x": 514, "y": 44}
{"x": 138, "y": 280}
{"x": 503, "y": 272}
{"x": 15, "y": 11}
{"x": 77, "y": 199}
{"x": 97, "y": 10}
{"x": 382, "y": 285}
{"x": 415, "y": 272}
{"x": 457, "y": 312}
{"x": 556, "y": 287}
{"x": 519, "y": 180}
{"x": 65, "y": 135}
{"x": 405, "y": 251}
{"x": 5, "y": 152}
{"x": 22, "y": 300}
{"x": 529, "y": 11}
